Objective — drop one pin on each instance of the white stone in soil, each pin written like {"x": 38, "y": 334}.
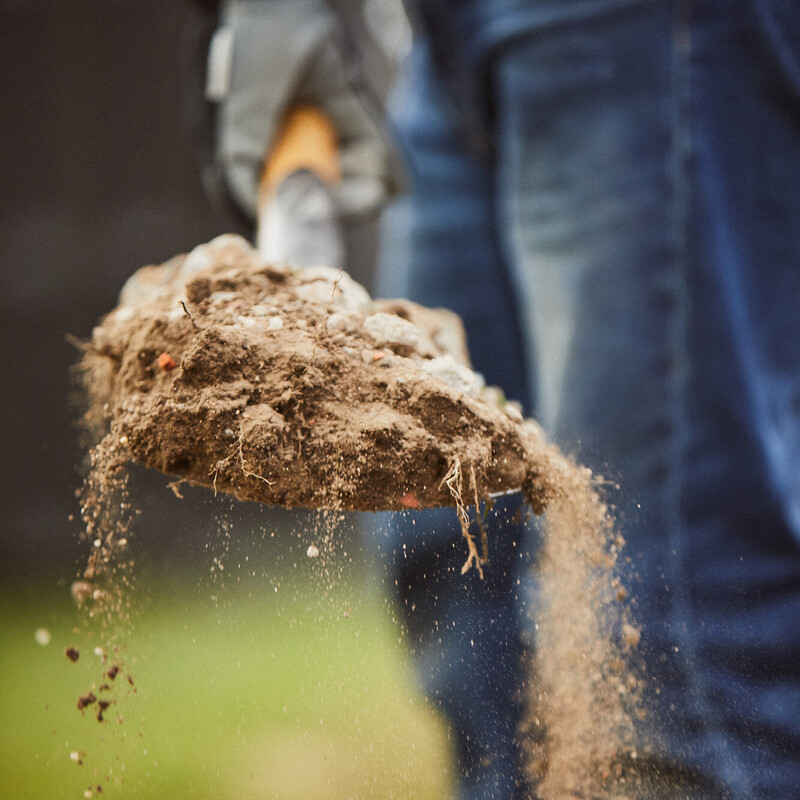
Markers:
{"x": 513, "y": 410}
{"x": 390, "y": 329}
{"x": 459, "y": 377}
{"x": 204, "y": 255}
{"x": 341, "y": 321}
{"x": 318, "y": 283}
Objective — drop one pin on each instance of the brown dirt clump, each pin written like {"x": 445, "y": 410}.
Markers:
{"x": 293, "y": 387}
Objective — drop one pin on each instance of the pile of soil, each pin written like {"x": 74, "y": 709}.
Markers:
{"x": 293, "y": 387}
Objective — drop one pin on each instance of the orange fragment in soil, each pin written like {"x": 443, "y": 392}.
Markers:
{"x": 409, "y": 500}
{"x": 166, "y": 362}
{"x": 377, "y": 355}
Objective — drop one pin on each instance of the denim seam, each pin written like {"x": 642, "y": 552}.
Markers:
{"x": 683, "y": 622}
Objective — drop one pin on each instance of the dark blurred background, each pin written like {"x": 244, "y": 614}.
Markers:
{"x": 279, "y": 675}
{"x": 103, "y": 139}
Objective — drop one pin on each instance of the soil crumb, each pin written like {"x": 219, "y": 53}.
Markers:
{"x": 295, "y": 388}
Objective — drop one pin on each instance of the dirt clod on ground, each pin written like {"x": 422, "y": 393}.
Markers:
{"x": 293, "y": 387}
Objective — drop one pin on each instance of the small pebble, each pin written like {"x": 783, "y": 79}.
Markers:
{"x": 72, "y": 654}
{"x": 223, "y": 297}
{"x": 409, "y": 500}
{"x": 390, "y": 329}
{"x": 631, "y": 635}
{"x": 313, "y": 551}
{"x": 81, "y": 591}
{"x": 457, "y": 376}
{"x": 42, "y": 637}
{"x": 513, "y": 410}
{"x": 246, "y": 322}
{"x": 166, "y": 362}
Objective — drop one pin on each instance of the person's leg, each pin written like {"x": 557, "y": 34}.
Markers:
{"x": 439, "y": 242}
{"x": 439, "y": 249}
{"x": 650, "y": 176}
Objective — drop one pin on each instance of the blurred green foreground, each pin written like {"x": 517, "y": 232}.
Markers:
{"x": 284, "y": 681}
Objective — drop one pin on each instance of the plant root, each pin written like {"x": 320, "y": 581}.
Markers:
{"x": 454, "y": 481}
{"x": 480, "y": 517}
{"x": 245, "y": 470}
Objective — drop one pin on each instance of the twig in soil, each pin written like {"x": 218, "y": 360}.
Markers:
{"x": 214, "y": 472}
{"x": 86, "y": 347}
{"x": 79, "y": 344}
{"x": 189, "y": 314}
{"x": 247, "y": 471}
{"x": 454, "y": 482}
{"x": 336, "y": 283}
{"x": 176, "y": 487}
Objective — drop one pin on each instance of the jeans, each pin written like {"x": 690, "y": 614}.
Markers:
{"x": 624, "y": 246}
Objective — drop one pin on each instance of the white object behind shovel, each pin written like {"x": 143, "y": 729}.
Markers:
{"x": 297, "y": 220}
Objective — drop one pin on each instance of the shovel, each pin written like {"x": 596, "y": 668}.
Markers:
{"x": 297, "y": 220}
{"x": 271, "y": 375}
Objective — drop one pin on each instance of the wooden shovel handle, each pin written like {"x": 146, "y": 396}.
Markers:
{"x": 306, "y": 140}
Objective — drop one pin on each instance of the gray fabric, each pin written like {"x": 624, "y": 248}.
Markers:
{"x": 285, "y": 52}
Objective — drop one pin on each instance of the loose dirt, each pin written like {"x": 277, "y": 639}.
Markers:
{"x": 294, "y": 387}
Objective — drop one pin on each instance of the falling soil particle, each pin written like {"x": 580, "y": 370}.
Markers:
{"x": 81, "y": 592}
{"x": 86, "y": 700}
{"x": 72, "y": 654}
{"x": 295, "y": 388}
{"x": 102, "y": 707}
{"x": 631, "y": 635}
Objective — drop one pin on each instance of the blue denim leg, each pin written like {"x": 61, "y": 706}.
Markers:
{"x": 464, "y": 634}
{"x": 440, "y": 244}
{"x": 440, "y": 249}
{"x": 649, "y": 167}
